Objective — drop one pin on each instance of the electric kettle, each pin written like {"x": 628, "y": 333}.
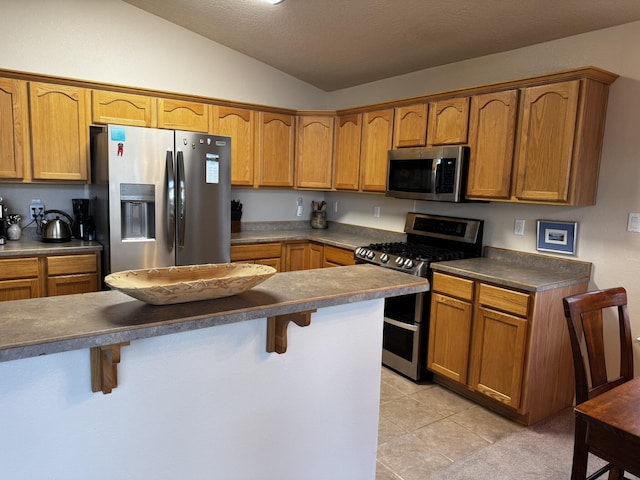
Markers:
{"x": 56, "y": 230}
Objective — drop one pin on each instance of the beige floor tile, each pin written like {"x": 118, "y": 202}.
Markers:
{"x": 451, "y": 439}
{"x": 409, "y": 458}
{"x": 388, "y": 430}
{"x": 401, "y": 383}
{"x": 383, "y": 473}
{"x": 485, "y": 423}
{"x": 408, "y": 413}
{"x": 388, "y": 393}
{"x": 442, "y": 400}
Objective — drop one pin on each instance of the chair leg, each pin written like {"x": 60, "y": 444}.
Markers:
{"x": 616, "y": 474}
{"x": 580, "y": 451}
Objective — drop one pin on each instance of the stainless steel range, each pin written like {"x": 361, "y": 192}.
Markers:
{"x": 430, "y": 238}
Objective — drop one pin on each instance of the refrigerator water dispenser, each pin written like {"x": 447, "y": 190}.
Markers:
{"x": 137, "y": 210}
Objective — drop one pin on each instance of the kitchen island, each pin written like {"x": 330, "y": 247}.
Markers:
{"x": 198, "y": 395}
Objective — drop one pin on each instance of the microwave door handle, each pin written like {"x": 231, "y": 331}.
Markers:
{"x": 170, "y": 208}
{"x": 182, "y": 199}
{"x": 437, "y": 180}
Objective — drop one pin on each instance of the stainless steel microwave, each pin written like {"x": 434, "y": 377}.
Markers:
{"x": 428, "y": 173}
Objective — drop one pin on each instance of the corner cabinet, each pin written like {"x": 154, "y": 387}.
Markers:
{"x": 505, "y": 348}
{"x": 59, "y": 132}
{"x": 377, "y": 134}
{"x": 314, "y": 152}
{"x": 276, "y": 137}
{"x": 14, "y": 131}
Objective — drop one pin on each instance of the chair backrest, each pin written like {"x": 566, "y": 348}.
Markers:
{"x": 585, "y": 320}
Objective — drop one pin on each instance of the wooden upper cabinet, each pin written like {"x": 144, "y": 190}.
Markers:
{"x": 546, "y": 149}
{"x": 240, "y": 125}
{"x": 14, "y": 132}
{"x": 123, "y": 109}
{"x": 492, "y": 129}
{"x": 276, "y": 136}
{"x": 182, "y": 115}
{"x": 314, "y": 151}
{"x": 448, "y": 121}
{"x": 410, "y": 126}
{"x": 377, "y": 133}
{"x": 346, "y": 175}
{"x": 59, "y": 131}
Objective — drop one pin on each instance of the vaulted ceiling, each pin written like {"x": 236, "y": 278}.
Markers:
{"x": 334, "y": 44}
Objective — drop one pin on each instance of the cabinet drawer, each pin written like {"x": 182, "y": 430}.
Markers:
{"x": 454, "y": 286}
{"x": 69, "y": 264}
{"x": 505, "y": 300}
{"x": 340, "y": 256}
{"x": 255, "y": 251}
{"x": 18, "y": 268}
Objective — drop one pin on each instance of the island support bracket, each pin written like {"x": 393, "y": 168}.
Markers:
{"x": 277, "y": 329}
{"x": 104, "y": 367}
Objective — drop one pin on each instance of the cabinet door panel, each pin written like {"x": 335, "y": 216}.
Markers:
{"x": 448, "y": 121}
{"x": 70, "y": 284}
{"x": 335, "y": 256}
{"x": 239, "y": 124}
{"x": 59, "y": 131}
{"x": 499, "y": 353}
{"x": 19, "y": 289}
{"x": 347, "y": 152}
{"x": 275, "y": 150}
{"x": 449, "y": 337}
{"x": 14, "y": 133}
{"x": 314, "y": 152}
{"x": 123, "y": 109}
{"x": 377, "y": 132}
{"x": 546, "y": 141}
{"x": 492, "y": 125}
{"x": 410, "y": 126}
{"x": 181, "y": 115}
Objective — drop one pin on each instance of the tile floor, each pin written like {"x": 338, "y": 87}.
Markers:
{"x": 424, "y": 428}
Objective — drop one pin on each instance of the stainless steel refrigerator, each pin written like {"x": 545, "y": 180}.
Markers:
{"x": 160, "y": 197}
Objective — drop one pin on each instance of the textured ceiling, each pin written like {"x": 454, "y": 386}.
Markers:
{"x": 335, "y": 44}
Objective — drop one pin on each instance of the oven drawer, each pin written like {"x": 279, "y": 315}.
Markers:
{"x": 452, "y": 286}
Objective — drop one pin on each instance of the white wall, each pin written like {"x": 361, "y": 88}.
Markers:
{"x": 205, "y": 404}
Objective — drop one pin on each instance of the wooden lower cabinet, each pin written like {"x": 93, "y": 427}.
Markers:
{"x": 262, "y": 253}
{"x": 42, "y": 276}
{"x": 295, "y": 256}
{"x": 504, "y": 348}
{"x": 337, "y": 257}
{"x": 316, "y": 255}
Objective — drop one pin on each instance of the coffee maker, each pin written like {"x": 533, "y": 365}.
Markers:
{"x": 83, "y": 226}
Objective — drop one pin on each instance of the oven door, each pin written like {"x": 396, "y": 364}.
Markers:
{"x": 403, "y": 335}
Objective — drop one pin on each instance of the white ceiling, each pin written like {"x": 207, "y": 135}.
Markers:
{"x": 335, "y": 44}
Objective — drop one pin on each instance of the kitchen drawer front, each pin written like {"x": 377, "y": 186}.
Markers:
{"x": 505, "y": 300}
{"x": 453, "y": 286}
{"x": 338, "y": 256}
{"x": 255, "y": 251}
{"x": 18, "y": 268}
{"x": 70, "y": 264}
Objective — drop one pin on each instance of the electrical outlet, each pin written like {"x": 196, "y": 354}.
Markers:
{"x": 335, "y": 207}
{"x": 36, "y": 209}
{"x": 376, "y": 212}
{"x": 519, "y": 227}
{"x": 633, "y": 225}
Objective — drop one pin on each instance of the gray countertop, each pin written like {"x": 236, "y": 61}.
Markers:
{"x": 34, "y": 246}
{"x": 49, "y": 325}
{"x": 525, "y": 271}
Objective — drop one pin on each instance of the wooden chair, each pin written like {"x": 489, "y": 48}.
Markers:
{"x": 585, "y": 319}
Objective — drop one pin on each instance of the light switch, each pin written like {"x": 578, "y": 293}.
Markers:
{"x": 633, "y": 225}
{"x": 518, "y": 229}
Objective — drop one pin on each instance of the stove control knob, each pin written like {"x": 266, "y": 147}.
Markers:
{"x": 358, "y": 251}
{"x": 370, "y": 254}
{"x": 399, "y": 261}
{"x": 408, "y": 263}
{"x": 384, "y": 258}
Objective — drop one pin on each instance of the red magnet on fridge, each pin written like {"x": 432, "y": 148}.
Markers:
{"x": 120, "y": 148}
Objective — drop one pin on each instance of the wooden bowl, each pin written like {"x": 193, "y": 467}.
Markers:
{"x": 189, "y": 283}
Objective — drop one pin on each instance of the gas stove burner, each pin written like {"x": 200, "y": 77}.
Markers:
{"x": 430, "y": 239}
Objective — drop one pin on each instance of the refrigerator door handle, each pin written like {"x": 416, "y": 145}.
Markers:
{"x": 171, "y": 201}
{"x": 182, "y": 199}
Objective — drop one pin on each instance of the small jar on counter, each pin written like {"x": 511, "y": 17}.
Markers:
{"x": 319, "y": 219}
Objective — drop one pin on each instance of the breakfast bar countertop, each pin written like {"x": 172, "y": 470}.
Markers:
{"x": 526, "y": 271}
{"x": 49, "y": 325}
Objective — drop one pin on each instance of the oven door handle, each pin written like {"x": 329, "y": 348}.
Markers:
{"x": 403, "y": 325}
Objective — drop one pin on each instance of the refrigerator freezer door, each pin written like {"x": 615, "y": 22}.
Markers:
{"x": 203, "y": 212}
{"x": 138, "y": 198}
